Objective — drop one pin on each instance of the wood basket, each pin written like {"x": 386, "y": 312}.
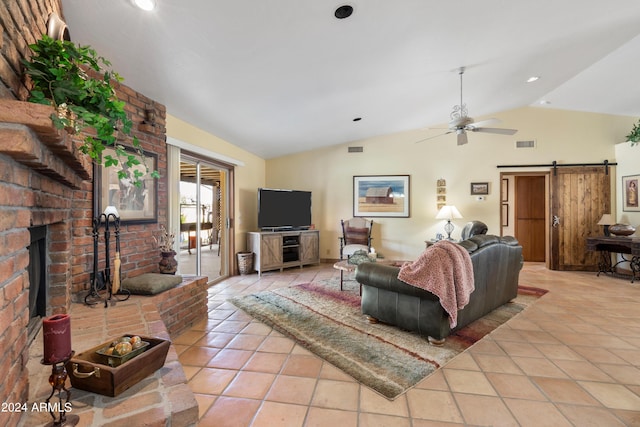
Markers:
{"x": 88, "y": 371}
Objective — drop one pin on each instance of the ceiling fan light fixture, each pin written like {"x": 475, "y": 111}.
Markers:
{"x": 461, "y": 123}
{"x": 146, "y": 5}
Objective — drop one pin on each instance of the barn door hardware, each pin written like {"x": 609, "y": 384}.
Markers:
{"x": 555, "y": 165}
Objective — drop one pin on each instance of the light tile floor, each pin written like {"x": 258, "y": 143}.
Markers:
{"x": 571, "y": 359}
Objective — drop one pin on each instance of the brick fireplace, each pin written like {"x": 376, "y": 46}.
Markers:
{"x": 46, "y": 189}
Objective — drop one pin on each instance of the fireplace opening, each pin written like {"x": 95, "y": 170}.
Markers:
{"x": 37, "y": 278}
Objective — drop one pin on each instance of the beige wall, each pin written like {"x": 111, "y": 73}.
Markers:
{"x": 567, "y": 137}
{"x": 248, "y": 177}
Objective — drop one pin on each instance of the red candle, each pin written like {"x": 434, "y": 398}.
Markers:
{"x": 56, "y": 331}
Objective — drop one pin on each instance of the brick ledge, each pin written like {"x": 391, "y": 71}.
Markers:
{"x": 163, "y": 398}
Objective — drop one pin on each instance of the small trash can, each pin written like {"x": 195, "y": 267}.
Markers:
{"x": 245, "y": 262}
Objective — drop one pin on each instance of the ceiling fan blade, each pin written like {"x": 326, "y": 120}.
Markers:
{"x": 462, "y": 138}
{"x": 435, "y": 136}
{"x": 483, "y": 123}
{"x": 500, "y": 131}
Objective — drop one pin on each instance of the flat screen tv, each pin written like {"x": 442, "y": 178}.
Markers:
{"x": 283, "y": 209}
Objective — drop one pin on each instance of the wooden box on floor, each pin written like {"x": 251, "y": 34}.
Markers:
{"x": 88, "y": 372}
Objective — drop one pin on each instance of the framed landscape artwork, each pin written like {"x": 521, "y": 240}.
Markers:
{"x": 630, "y": 193}
{"x": 478, "y": 188}
{"x": 381, "y": 196}
{"x": 135, "y": 204}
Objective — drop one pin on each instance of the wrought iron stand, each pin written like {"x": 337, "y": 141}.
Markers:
{"x": 57, "y": 380}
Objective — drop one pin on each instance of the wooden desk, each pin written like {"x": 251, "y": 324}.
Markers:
{"x": 616, "y": 244}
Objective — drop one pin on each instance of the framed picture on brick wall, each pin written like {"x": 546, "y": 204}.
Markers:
{"x": 135, "y": 203}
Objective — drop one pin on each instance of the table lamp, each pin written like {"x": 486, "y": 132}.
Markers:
{"x": 606, "y": 221}
{"x": 448, "y": 212}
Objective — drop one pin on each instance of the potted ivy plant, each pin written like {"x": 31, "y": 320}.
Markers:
{"x": 634, "y": 135}
{"x": 78, "y": 83}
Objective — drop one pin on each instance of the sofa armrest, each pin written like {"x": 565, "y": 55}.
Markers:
{"x": 386, "y": 277}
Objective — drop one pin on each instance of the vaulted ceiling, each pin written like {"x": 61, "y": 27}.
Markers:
{"x": 282, "y": 76}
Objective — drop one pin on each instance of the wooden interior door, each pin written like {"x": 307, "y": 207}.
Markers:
{"x": 529, "y": 216}
{"x": 579, "y": 198}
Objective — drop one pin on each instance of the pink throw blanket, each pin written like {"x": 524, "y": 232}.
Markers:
{"x": 445, "y": 270}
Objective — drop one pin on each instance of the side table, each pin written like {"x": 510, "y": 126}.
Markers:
{"x": 344, "y": 266}
{"x": 616, "y": 244}
{"x": 350, "y": 268}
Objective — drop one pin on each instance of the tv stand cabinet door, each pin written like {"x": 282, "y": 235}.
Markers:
{"x": 310, "y": 247}
{"x": 270, "y": 251}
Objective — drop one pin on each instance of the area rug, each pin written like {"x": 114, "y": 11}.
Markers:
{"x": 329, "y": 323}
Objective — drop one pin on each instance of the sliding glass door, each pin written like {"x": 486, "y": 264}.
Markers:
{"x": 203, "y": 212}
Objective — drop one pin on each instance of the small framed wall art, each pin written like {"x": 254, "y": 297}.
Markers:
{"x": 479, "y": 188}
{"x": 630, "y": 193}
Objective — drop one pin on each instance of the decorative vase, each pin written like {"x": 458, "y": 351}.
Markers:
{"x": 622, "y": 229}
{"x": 168, "y": 263}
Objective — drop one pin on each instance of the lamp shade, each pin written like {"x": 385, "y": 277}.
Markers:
{"x": 448, "y": 212}
{"x": 606, "y": 220}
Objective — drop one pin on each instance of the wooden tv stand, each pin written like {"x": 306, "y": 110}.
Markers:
{"x": 277, "y": 250}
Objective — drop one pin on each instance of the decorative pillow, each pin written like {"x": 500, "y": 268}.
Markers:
{"x": 150, "y": 283}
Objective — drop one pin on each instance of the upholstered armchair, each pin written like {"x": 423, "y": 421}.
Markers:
{"x": 356, "y": 235}
{"x": 473, "y": 228}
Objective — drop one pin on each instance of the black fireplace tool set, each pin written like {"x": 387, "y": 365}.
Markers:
{"x": 102, "y": 280}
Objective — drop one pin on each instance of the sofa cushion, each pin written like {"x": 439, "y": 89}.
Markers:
{"x": 150, "y": 283}
{"x": 484, "y": 239}
{"x": 509, "y": 240}
{"x": 469, "y": 245}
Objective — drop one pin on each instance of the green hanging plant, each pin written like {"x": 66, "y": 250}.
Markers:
{"x": 58, "y": 70}
{"x": 634, "y": 135}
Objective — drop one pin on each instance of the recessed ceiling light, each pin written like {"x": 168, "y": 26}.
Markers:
{"x": 343, "y": 11}
{"x": 544, "y": 102}
{"x": 147, "y": 5}
{"x": 533, "y": 79}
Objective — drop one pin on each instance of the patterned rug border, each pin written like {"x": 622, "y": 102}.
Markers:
{"x": 328, "y": 322}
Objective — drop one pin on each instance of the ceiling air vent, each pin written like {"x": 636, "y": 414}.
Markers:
{"x": 355, "y": 149}
{"x": 526, "y": 144}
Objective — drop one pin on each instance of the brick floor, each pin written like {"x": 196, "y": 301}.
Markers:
{"x": 163, "y": 398}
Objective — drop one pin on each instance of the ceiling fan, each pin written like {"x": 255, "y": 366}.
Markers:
{"x": 461, "y": 123}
